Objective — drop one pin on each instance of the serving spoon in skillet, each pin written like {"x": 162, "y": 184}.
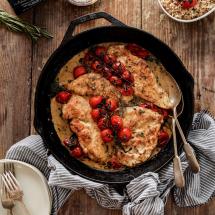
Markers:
{"x": 176, "y": 98}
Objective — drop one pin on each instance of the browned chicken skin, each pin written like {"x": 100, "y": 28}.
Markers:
{"x": 93, "y": 84}
{"x": 78, "y": 111}
{"x": 145, "y": 83}
{"x": 145, "y": 125}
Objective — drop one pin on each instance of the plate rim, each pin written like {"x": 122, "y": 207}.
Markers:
{"x": 39, "y": 173}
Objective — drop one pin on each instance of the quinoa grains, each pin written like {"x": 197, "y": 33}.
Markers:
{"x": 187, "y": 9}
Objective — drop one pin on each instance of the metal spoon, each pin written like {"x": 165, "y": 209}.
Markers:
{"x": 194, "y": 165}
{"x": 175, "y": 95}
{"x": 176, "y": 98}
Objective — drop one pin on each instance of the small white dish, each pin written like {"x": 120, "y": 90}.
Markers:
{"x": 82, "y": 2}
{"x": 185, "y": 20}
{"x": 37, "y": 195}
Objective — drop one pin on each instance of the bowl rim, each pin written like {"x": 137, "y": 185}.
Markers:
{"x": 186, "y": 20}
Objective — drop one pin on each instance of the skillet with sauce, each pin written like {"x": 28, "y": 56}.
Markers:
{"x": 109, "y": 107}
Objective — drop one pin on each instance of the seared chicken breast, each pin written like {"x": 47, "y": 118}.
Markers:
{"x": 145, "y": 125}
{"x": 93, "y": 84}
{"x": 146, "y": 85}
{"x": 78, "y": 111}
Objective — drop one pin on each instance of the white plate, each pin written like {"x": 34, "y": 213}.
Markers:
{"x": 37, "y": 196}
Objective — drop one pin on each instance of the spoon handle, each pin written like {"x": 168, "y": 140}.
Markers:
{"x": 178, "y": 173}
{"x": 194, "y": 165}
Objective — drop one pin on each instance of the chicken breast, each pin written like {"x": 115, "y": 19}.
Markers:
{"x": 93, "y": 84}
{"x": 146, "y": 84}
{"x": 78, "y": 111}
{"x": 145, "y": 125}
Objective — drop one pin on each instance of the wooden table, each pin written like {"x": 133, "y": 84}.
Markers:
{"x": 21, "y": 63}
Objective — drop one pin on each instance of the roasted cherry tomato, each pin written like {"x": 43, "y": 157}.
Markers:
{"x": 132, "y": 47}
{"x": 96, "y": 65}
{"x": 115, "y": 80}
{"x": 78, "y": 71}
{"x": 143, "y": 53}
{"x": 77, "y": 152}
{"x": 186, "y": 4}
{"x": 67, "y": 142}
{"x": 163, "y": 138}
{"x": 63, "y": 97}
{"x": 109, "y": 59}
{"x": 116, "y": 122}
{"x": 116, "y": 66}
{"x": 96, "y": 113}
{"x": 147, "y": 105}
{"x": 88, "y": 57}
{"x": 106, "y": 72}
{"x": 127, "y": 91}
{"x": 126, "y": 75}
{"x": 125, "y": 134}
{"x": 111, "y": 104}
{"x": 95, "y": 101}
{"x": 103, "y": 123}
{"x": 107, "y": 135}
{"x": 100, "y": 51}
{"x": 165, "y": 113}
{"x": 138, "y": 50}
{"x": 115, "y": 162}
{"x": 151, "y": 106}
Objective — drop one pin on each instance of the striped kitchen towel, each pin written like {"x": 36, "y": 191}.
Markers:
{"x": 144, "y": 195}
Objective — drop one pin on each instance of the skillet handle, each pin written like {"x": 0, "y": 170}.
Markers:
{"x": 88, "y": 17}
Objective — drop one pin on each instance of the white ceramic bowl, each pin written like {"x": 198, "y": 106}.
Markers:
{"x": 82, "y": 2}
{"x": 186, "y": 20}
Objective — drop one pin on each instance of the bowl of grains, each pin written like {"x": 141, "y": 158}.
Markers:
{"x": 187, "y": 10}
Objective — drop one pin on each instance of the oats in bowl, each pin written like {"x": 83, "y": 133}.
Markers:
{"x": 187, "y": 9}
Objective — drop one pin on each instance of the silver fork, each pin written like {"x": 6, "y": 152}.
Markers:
{"x": 6, "y": 201}
{"x": 14, "y": 189}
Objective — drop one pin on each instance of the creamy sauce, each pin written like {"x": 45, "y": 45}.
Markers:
{"x": 65, "y": 76}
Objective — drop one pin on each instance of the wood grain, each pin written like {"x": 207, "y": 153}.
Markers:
{"x": 15, "y": 84}
{"x": 20, "y": 67}
{"x": 194, "y": 43}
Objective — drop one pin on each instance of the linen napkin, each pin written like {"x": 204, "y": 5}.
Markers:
{"x": 146, "y": 194}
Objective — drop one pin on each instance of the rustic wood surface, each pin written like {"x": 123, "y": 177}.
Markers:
{"x": 21, "y": 63}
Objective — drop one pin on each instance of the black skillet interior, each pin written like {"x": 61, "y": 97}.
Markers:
{"x": 73, "y": 45}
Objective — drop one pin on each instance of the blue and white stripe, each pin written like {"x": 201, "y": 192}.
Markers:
{"x": 146, "y": 194}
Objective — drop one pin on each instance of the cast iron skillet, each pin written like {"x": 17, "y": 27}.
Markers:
{"x": 72, "y": 45}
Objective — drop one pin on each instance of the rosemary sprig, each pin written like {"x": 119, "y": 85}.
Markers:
{"x": 18, "y": 25}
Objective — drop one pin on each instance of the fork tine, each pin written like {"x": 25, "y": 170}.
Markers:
{"x": 2, "y": 187}
{"x": 5, "y": 183}
{"x": 15, "y": 180}
{"x": 10, "y": 181}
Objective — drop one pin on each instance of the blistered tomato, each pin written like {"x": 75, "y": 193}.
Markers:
{"x": 78, "y": 71}
{"x": 116, "y": 122}
{"x": 111, "y": 104}
{"x": 77, "y": 152}
{"x": 95, "y": 101}
{"x": 63, "y": 97}
{"x": 107, "y": 135}
{"x": 125, "y": 134}
{"x": 96, "y": 113}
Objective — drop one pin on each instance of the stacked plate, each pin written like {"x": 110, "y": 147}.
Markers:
{"x": 37, "y": 195}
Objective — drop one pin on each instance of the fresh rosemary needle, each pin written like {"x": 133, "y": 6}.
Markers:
{"x": 18, "y": 25}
